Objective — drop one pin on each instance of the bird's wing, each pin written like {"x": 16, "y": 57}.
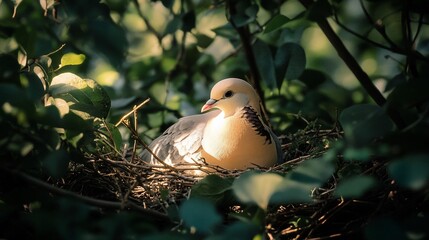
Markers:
{"x": 181, "y": 142}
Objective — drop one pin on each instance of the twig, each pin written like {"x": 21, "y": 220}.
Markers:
{"x": 146, "y": 21}
{"x": 354, "y": 66}
{"x": 131, "y": 112}
{"x": 92, "y": 201}
{"x": 245, "y": 38}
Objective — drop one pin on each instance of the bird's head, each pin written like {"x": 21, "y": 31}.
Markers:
{"x": 230, "y": 95}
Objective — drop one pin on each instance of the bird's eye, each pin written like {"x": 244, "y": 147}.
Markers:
{"x": 228, "y": 94}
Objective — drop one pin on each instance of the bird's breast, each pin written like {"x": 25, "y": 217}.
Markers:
{"x": 235, "y": 143}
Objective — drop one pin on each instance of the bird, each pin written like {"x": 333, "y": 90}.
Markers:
{"x": 229, "y": 132}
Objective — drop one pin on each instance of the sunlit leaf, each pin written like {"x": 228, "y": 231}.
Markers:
{"x": 256, "y": 188}
{"x": 355, "y": 186}
{"x": 22, "y": 58}
{"x": 47, "y": 4}
{"x": 72, "y": 59}
{"x": 84, "y": 96}
{"x": 199, "y": 214}
{"x": 410, "y": 171}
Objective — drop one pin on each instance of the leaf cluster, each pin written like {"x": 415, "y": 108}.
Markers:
{"x": 344, "y": 82}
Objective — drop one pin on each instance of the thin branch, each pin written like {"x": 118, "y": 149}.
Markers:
{"x": 92, "y": 201}
{"x": 393, "y": 47}
{"x": 366, "y": 39}
{"x": 419, "y": 28}
{"x": 146, "y": 21}
{"x": 378, "y": 26}
{"x": 131, "y": 112}
{"x": 246, "y": 37}
{"x": 354, "y": 66}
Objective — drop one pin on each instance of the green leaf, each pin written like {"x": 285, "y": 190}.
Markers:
{"x": 289, "y": 62}
{"x": 256, "y": 188}
{"x": 71, "y": 59}
{"x": 33, "y": 86}
{"x": 111, "y": 134}
{"x": 265, "y": 61}
{"x": 276, "y": 22}
{"x": 245, "y": 13}
{"x": 313, "y": 172}
{"x": 291, "y": 191}
{"x": 85, "y": 97}
{"x": 56, "y": 163}
{"x": 213, "y": 188}
{"x": 227, "y": 31}
{"x": 410, "y": 171}
{"x": 199, "y": 214}
{"x": 365, "y": 122}
{"x": 357, "y": 154}
{"x": 355, "y": 186}
{"x": 203, "y": 40}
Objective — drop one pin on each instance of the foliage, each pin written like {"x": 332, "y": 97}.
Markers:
{"x": 344, "y": 82}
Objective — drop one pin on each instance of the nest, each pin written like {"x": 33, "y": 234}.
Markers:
{"x": 125, "y": 179}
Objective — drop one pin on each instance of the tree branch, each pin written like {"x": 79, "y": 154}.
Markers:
{"x": 92, "y": 201}
{"x": 246, "y": 38}
{"x": 354, "y": 66}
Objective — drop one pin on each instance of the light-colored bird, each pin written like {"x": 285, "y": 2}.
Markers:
{"x": 229, "y": 133}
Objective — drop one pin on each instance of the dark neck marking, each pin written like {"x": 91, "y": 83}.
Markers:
{"x": 254, "y": 119}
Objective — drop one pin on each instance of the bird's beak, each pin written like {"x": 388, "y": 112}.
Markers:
{"x": 209, "y": 105}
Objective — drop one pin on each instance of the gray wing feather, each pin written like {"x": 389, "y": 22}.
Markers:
{"x": 181, "y": 142}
